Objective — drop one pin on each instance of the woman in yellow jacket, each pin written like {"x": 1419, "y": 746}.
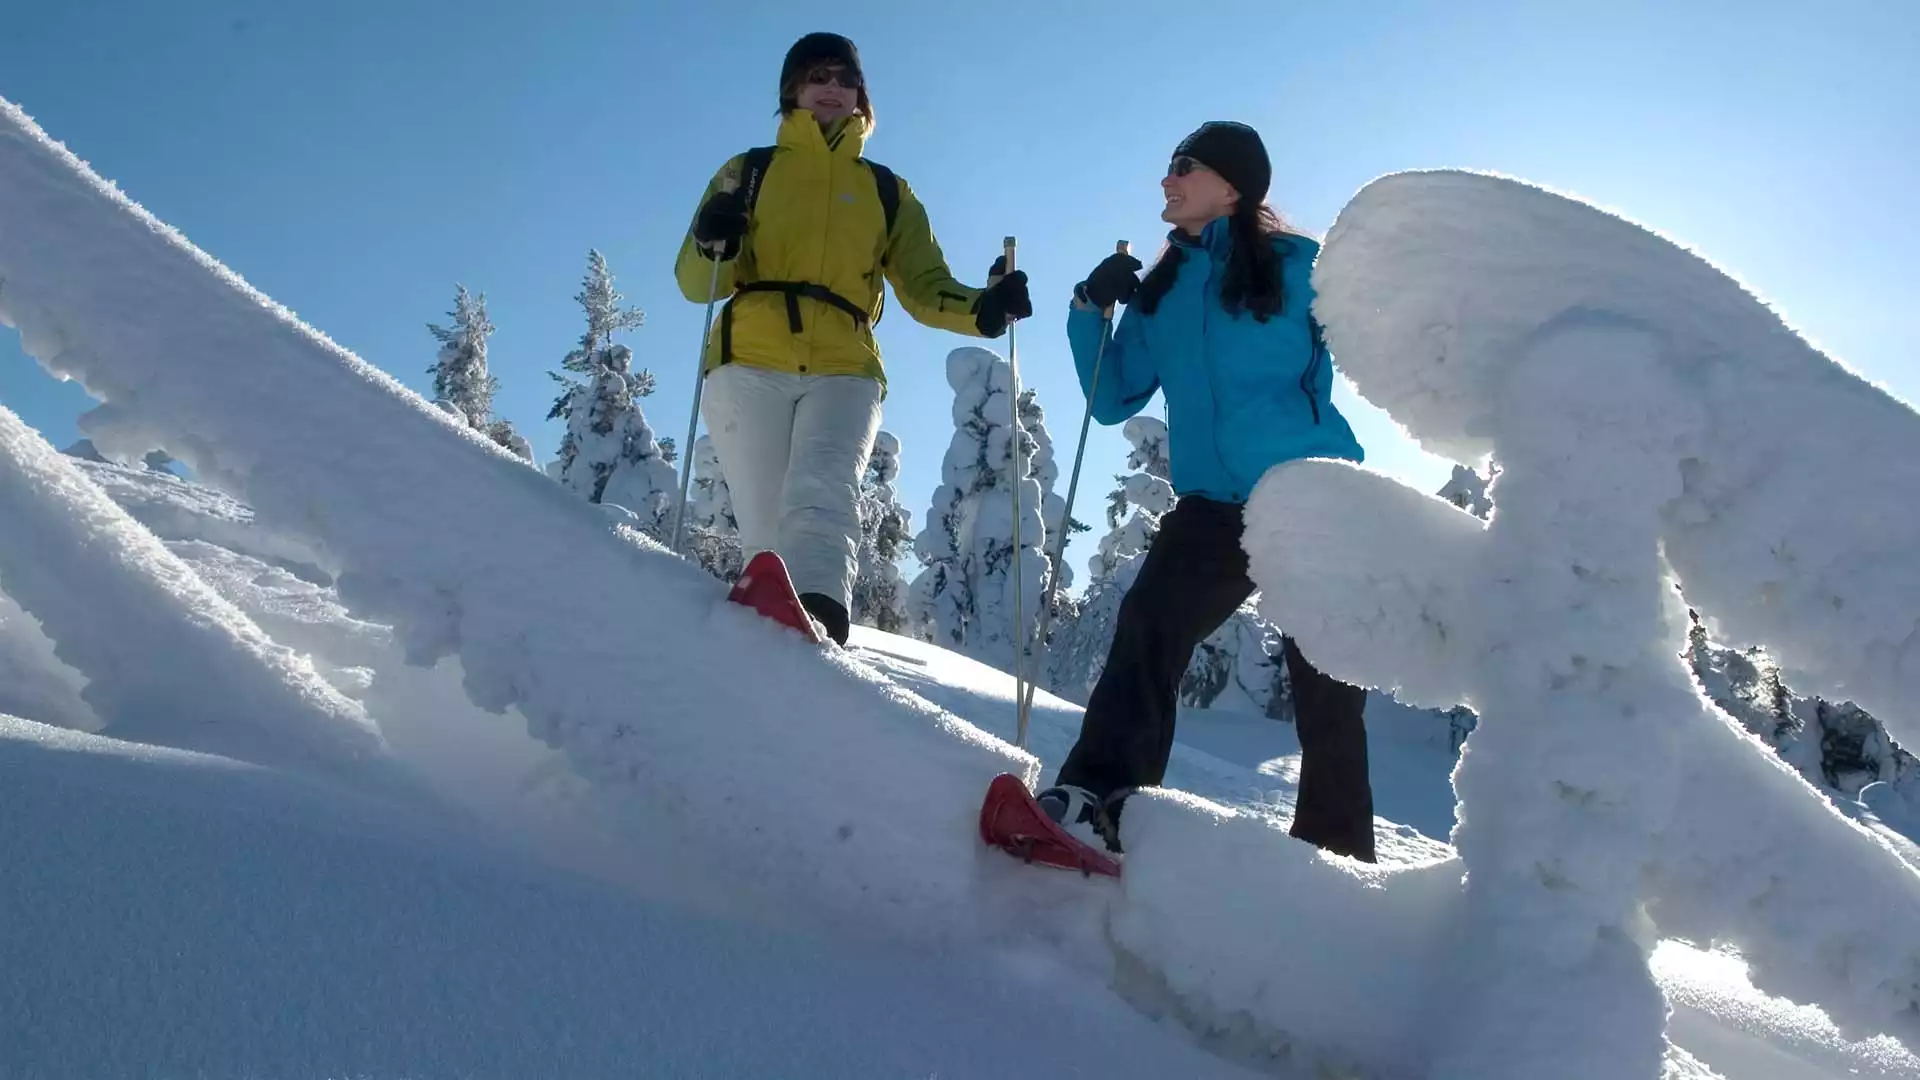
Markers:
{"x": 802, "y": 238}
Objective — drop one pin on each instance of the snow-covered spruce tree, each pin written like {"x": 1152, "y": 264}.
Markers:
{"x": 1078, "y": 652}
{"x": 1138, "y": 500}
{"x": 609, "y": 454}
{"x": 1467, "y": 490}
{"x": 605, "y": 317}
{"x": 462, "y": 383}
{"x": 614, "y": 458}
{"x": 963, "y": 597}
{"x": 1840, "y": 748}
{"x": 713, "y": 532}
{"x": 502, "y": 432}
{"x": 1239, "y": 667}
{"x": 1045, "y": 471}
{"x": 879, "y": 592}
{"x": 460, "y": 376}
{"x": 941, "y": 604}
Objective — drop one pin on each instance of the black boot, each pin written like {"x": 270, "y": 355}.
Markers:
{"x": 1078, "y": 810}
{"x": 831, "y": 614}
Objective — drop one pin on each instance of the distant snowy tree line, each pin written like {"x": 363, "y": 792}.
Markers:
{"x": 1839, "y": 747}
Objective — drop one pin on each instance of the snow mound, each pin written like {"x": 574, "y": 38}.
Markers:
{"x": 1781, "y": 527}
{"x": 1641, "y": 408}
{"x": 1258, "y": 949}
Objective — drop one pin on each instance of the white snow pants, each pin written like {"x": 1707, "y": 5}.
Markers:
{"x": 794, "y": 449}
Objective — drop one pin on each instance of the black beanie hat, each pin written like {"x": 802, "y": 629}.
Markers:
{"x": 817, "y": 48}
{"x": 1235, "y": 152}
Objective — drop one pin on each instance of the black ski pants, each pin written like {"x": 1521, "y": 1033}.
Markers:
{"x": 1194, "y": 578}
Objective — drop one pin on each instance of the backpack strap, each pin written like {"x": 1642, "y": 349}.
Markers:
{"x": 889, "y": 186}
{"x": 889, "y": 192}
{"x": 754, "y": 169}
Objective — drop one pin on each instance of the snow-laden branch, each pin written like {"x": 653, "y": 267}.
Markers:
{"x": 152, "y": 638}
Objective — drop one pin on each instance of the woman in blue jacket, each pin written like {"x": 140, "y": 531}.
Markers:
{"x": 1222, "y": 326}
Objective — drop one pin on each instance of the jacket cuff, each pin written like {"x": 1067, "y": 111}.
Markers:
{"x": 727, "y": 253}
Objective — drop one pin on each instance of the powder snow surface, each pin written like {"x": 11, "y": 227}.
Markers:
{"x": 242, "y": 926}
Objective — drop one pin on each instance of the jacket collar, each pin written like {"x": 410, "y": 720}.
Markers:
{"x": 1217, "y": 238}
{"x": 800, "y": 131}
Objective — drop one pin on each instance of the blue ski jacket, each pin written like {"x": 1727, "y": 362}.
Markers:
{"x": 1242, "y": 395}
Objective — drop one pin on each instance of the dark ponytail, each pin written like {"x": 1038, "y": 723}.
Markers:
{"x": 1252, "y": 281}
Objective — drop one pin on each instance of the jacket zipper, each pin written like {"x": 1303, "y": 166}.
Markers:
{"x": 1206, "y": 364}
{"x": 1308, "y": 376}
{"x": 826, "y": 234}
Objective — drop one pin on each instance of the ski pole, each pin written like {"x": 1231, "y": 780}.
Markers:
{"x": 693, "y": 420}
{"x": 699, "y": 383}
{"x": 1073, "y": 487}
{"x": 1018, "y": 478}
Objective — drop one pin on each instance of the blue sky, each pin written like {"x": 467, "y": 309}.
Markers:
{"x": 356, "y": 159}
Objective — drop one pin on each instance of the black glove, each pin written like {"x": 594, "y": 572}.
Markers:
{"x": 723, "y": 220}
{"x": 1004, "y": 300}
{"x": 1112, "y": 282}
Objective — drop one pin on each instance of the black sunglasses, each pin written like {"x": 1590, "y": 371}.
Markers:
{"x": 825, "y": 75}
{"x": 1182, "y": 165}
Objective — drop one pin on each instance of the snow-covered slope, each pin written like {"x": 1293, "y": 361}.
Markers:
{"x": 173, "y": 914}
{"x": 465, "y": 551}
{"x": 761, "y": 781}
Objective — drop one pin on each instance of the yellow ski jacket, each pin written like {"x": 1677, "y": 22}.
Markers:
{"x": 804, "y": 289}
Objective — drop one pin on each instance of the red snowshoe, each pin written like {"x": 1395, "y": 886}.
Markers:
{"x": 765, "y": 587}
{"x": 1013, "y": 821}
